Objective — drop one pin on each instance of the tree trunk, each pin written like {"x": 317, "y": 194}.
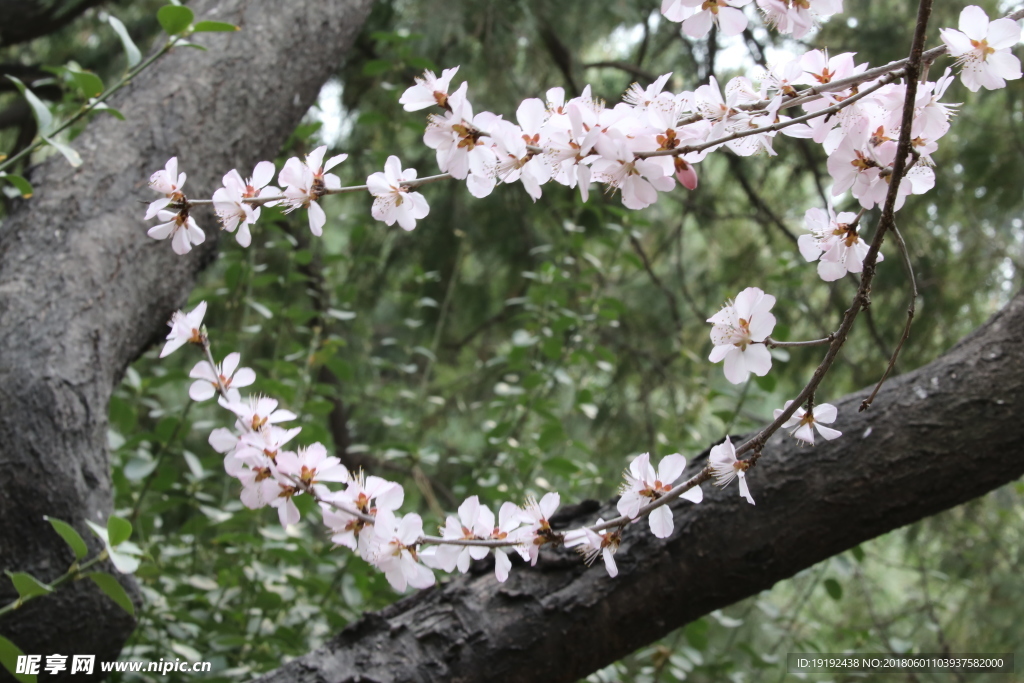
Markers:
{"x": 934, "y": 438}
{"x": 84, "y": 291}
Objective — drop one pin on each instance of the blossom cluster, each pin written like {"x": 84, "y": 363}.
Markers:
{"x": 643, "y": 145}
{"x": 639, "y": 147}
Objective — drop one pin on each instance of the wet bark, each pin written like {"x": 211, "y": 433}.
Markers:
{"x": 934, "y": 438}
{"x": 84, "y": 291}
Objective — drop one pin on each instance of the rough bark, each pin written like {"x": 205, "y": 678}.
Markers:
{"x": 933, "y": 439}
{"x": 84, "y": 291}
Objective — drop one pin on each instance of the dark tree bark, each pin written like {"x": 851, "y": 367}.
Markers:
{"x": 934, "y": 438}
{"x": 84, "y": 291}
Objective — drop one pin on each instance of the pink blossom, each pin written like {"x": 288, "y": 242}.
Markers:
{"x": 537, "y": 531}
{"x": 181, "y": 228}
{"x": 644, "y": 485}
{"x": 801, "y": 422}
{"x": 591, "y": 543}
{"x": 738, "y": 332}
{"x": 206, "y": 386}
{"x": 393, "y": 201}
{"x": 305, "y": 182}
{"x": 982, "y": 48}
{"x": 232, "y": 210}
{"x": 396, "y": 540}
{"x": 185, "y": 329}
{"x": 167, "y": 182}
{"x": 726, "y": 467}
{"x": 721, "y": 13}
{"x": 836, "y": 241}
{"x": 428, "y": 91}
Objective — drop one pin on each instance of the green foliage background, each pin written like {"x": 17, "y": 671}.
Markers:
{"x": 507, "y": 348}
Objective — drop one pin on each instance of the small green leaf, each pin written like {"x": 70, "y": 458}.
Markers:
{"x": 174, "y": 18}
{"x": 119, "y": 530}
{"x": 130, "y": 51}
{"x": 9, "y": 653}
{"x": 835, "y": 591}
{"x": 102, "y": 106}
{"x": 23, "y": 186}
{"x": 27, "y": 585}
{"x": 109, "y": 585}
{"x": 214, "y": 27}
{"x": 858, "y": 553}
{"x": 70, "y": 536}
{"x": 42, "y": 113}
{"x": 67, "y": 150}
{"x": 89, "y": 83}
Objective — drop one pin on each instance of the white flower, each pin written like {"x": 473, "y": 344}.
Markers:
{"x": 645, "y": 485}
{"x": 836, "y": 241}
{"x": 800, "y": 422}
{"x": 181, "y": 228}
{"x": 185, "y": 329}
{"x": 797, "y": 16}
{"x": 428, "y": 91}
{"x": 229, "y": 374}
{"x": 723, "y": 13}
{"x": 639, "y": 179}
{"x": 303, "y": 470}
{"x": 257, "y": 412}
{"x": 368, "y": 496}
{"x": 738, "y": 332}
{"x": 266, "y": 441}
{"x": 167, "y": 182}
{"x": 726, "y": 467}
{"x": 396, "y": 550}
{"x": 590, "y": 544}
{"x": 305, "y": 182}
{"x": 228, "y": 202}
{"x": 475, "y": 522}
{"x": 982, "y": 48}
{"x": 538, "y": 530}
{"x": 394, "y": 202}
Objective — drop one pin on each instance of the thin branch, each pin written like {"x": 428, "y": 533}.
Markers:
{"x": 623, "y": 66}
{"x": 773, "y": 344}
{"x": 673, "y": 304}
{"x": 898, "y": 238}
{"x": 862, "y": 299}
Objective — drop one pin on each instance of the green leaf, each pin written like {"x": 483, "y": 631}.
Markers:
{"x": 22, "y": 185}
{"x": 109, "y": 585}
{"x": 174, "y": 18}
{"x": 9, "y": 653}
{"x": 89, "y": 83}
{"x": 214, "y": 27}
{"x": 835, "y": 591}
{"x": 70, "y": 536}
{"x": 27, "y": 585}
{"x": 130, "y": 51}
{"x": 119, "y": 530}
{"x": 102, "y": 106}
{"x": 858, "y": 553}
{"x": 42, "y": 113}
{"x": 67, "y": 150}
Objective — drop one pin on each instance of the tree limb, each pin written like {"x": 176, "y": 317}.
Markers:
{"x": 938, "y": 437}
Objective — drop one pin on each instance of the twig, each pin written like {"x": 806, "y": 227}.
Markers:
{"x": 898, "y": 238}
{"x": 673, "y": 303}
{"x": 862, "y": 298}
